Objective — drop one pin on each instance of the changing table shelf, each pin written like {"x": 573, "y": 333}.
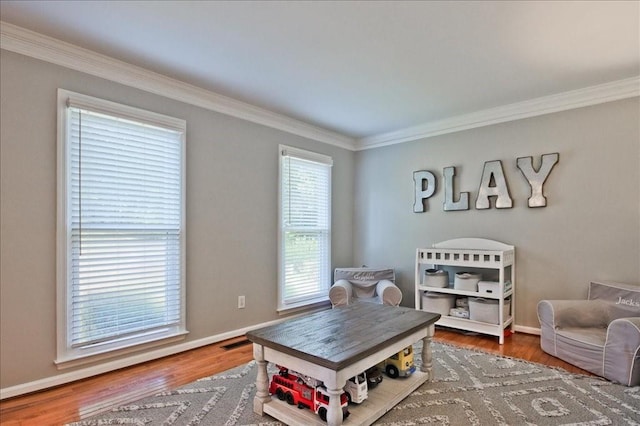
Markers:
{"x": 480, "y": 255}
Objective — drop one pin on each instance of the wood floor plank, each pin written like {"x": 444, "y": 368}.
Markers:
{"x": 84, "y": 398}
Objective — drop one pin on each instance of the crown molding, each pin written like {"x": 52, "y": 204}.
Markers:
{"x": 29, "y": 43}
{"x": 35, "y": 45}
{"x": 593, "y": 95}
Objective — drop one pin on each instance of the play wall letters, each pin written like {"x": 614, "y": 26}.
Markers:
{"x": 492, "y": 184}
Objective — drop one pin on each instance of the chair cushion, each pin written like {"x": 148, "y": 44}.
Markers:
{"x": 374, "y": 299}
{"x": 363, "y": 276}
{"x": 582, "y": 347}
{"x": 364, "y": 291}
{"x": 624, "y": 298}
{"x": 592, "y": 336}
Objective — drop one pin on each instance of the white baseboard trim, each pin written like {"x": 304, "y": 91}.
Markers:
{"x": 527, "y": 330}
{"x": 84, "y": 373}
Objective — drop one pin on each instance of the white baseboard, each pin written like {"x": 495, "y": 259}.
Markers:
{"x": 72, "y": 376}
{"x": 527, "y": 330}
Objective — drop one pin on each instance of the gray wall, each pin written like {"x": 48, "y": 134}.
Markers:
{"x": 232, "y": 183}
{"x": 590, "y": 229}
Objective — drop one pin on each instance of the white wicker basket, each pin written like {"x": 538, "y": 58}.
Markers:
{"x": 486, "y": 310}
{"x": 467, "y": 281}
{"x": 437, "y": 302}
{"x": 436, "y": 278}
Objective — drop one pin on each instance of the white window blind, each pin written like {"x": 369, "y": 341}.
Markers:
{"x": 305, "y": 227}
{"x": 124, "y": 251}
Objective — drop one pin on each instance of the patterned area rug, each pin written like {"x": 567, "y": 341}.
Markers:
{"x": 470, "y": 388}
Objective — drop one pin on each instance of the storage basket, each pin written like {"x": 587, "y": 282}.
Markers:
{"x": 488, "y": 287}
{"x": 437, "y": 303}
{"x": 486, "y": 310}
{"x": 467, "y": 281}
{"x": 436, "y": 278}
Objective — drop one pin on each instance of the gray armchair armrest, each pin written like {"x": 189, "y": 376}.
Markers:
{"x": 388, "y": 293}
{"x": 621, "y": 361}
{"x": 573, "y": 313}
{"x": 341, "y": 293}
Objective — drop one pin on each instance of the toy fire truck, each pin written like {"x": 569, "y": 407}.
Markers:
{"x": 356, "y": 387}
{"x": 295, "y": 391}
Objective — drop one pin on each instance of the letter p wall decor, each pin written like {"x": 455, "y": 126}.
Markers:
{"x": 424, "y": 183}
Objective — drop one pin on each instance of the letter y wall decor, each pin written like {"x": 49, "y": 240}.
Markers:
{"x": 493, "y": 184}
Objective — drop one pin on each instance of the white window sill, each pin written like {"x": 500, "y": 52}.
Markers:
{"x": 306, "y": 307}
{"x": 78, "y": 357}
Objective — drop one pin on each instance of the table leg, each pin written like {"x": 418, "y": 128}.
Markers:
{"x": 334, "y": 414}
{"x": 262, "y": 381}
{"x": 427, "y": 364}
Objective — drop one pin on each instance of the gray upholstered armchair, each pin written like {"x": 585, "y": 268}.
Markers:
{"x": 364, "y": 285}
{"x": 600, "y": 335}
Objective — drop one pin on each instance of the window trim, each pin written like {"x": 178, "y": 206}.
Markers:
{"x": 66, "y": 355}
{"x": 283, "y": 152}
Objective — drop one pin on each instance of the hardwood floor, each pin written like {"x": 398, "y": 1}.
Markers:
{"x": 84, "y": 398}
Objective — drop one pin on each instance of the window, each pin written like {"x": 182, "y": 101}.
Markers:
{"x": 121, "y": 236}
{"x": 305, "y": 228}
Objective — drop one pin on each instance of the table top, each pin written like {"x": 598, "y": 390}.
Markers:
{"x": 339, "y": 337}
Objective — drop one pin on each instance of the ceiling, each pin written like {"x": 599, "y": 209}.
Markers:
{"x": 358, "y": 68}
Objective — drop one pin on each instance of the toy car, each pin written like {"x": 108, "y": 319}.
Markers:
{"x": 374, "y": 377}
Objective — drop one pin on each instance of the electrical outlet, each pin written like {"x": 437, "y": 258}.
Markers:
{"x": 241, "y": 302}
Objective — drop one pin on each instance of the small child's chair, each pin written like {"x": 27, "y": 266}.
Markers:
{"x": 354, "y": 285}
{"x": 600, "y": 334}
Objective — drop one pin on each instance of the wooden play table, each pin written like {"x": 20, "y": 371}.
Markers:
{"x": 337, "y": 344}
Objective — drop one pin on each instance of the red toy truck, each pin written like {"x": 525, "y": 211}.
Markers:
{"x": 293, "y": 389}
